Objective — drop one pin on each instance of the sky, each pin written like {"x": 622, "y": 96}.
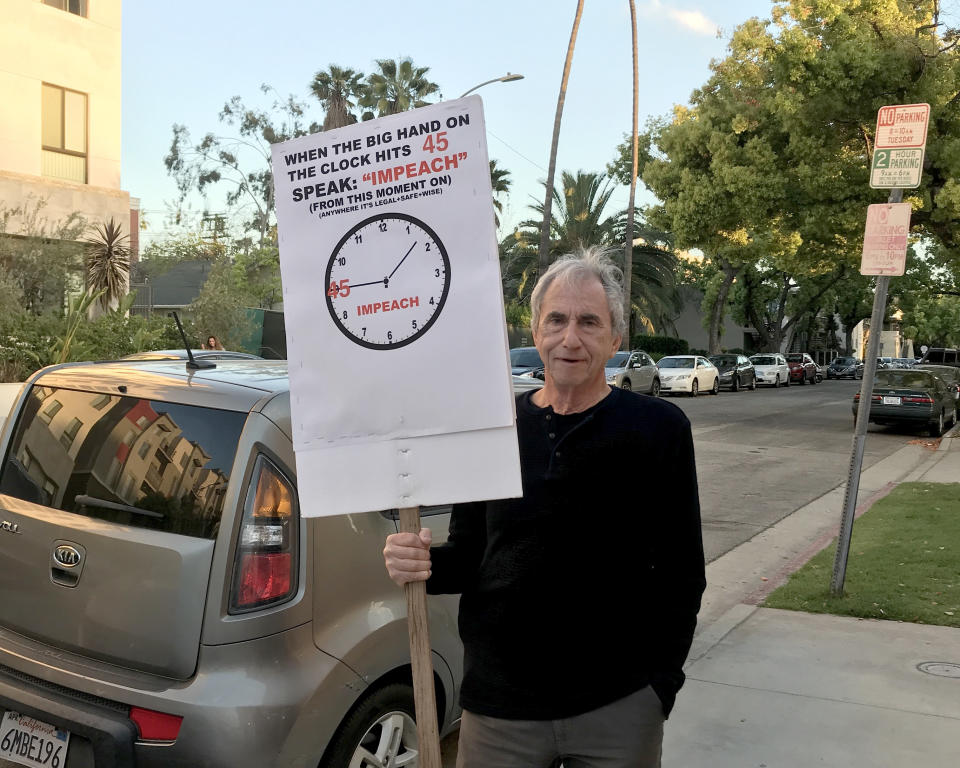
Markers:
{"x": 183, "y": 60}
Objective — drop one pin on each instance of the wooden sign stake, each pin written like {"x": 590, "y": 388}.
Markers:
{"x": 424, "y": 696}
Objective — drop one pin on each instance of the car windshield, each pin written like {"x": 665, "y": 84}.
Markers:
{"x": 724, "y": 360}
{"x": 763, "y": 360}
{"x": 794, "y": 358}
{"x": 676, "y": 362}
{"x": 525, "y": 356}
{"x": 618, "y": 360}
{"x": 842, "y": 361}
{"x": 904, "y": 379}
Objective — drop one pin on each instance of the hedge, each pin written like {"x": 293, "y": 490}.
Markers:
{"x": 660, "y": 345}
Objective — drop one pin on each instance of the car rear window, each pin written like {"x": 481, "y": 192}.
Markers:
{"x": 760, "y": 360}
{"x": 909, "y": 379}
{"x": 139, "y": 462}
{"x": 525, "y": 356}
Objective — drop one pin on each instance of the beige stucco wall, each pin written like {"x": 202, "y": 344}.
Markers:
{"x": 40, "y": 43}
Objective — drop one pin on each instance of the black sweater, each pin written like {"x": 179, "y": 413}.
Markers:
{"x": 587, "y": 588}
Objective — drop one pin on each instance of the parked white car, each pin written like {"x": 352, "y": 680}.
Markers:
{"x": 772, "y": 369}
{"x": 691, "y": 374}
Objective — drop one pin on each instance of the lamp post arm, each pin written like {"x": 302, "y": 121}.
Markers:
{"x": 496, "y": 79}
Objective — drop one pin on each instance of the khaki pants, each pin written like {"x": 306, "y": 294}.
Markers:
{"x": 625, "y": 734}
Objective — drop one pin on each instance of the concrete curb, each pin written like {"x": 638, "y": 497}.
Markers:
{"x": 738, "y": 580}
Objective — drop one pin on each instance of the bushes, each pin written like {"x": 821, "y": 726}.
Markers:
{"x": 659, "y": 346}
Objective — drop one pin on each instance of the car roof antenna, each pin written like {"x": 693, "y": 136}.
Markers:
{"x": 192, "y": 363}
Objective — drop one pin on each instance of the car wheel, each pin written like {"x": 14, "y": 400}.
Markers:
{"x": 380, "y": 731}
{"x": 625, "y": 384}
{"x": 694, "y": 389}
{"x": 735, "y": 387}
{"x": 753, "y": 383}
{"x": 858, "y": 375}
{"x": 953, "y": 421}
{"x": 936, "y": 429}
{"x": 776, "y": 382}
{"x": 716, "y": 386}
{"x": 655, "y": 388}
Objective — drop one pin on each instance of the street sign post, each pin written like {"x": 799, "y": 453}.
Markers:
{"x": 899, "y": 145}
{"x": 885, "y": 239}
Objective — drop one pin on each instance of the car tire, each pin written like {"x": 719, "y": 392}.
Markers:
{"x": 735, "y": 387}
{"x": 716, "y": 386}
{"x": 694, "y": 388}
{"x": 936, "y": 429}
{"x": 655, "y": 388}
{"x": 857, "y": 375}
{"x": 776, "y": 383}
{"x": 388, "y": 709}
{"x": 753, "y": 383}
{"x": 625, "y": 384}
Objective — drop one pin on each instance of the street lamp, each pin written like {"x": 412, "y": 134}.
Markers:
{"x": 507, "y": 78}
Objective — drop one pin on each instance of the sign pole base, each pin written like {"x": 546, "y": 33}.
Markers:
{"x": 424, "y": 696}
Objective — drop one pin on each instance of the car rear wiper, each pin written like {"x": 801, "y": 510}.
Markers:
{"x": 93, "y": 501}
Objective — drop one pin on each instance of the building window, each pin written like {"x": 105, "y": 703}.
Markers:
{"x": 70, "y": 433}
{"x": 50, "y": 411}
{"x": 64, "y": 133}
{"x": 78, "y": 7}
{"x": 100, "y": 402}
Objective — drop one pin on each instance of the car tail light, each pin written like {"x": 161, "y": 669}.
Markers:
{"x": 922, "y": 399}
{"x": 155, "y": 726}
{"x": 265, "y": 569}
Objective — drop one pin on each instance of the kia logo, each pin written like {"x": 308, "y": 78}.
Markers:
{"x": 9, "y": 527}
{"x": 66, "y": 556}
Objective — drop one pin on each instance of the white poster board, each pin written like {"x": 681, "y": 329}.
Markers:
{"x": 400, "y": 389}
{"x": 885, "y": 239}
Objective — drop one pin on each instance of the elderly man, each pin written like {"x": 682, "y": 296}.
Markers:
{"x": 579, "y": 600}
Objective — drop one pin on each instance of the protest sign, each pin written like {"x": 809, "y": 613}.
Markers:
{"x": 399, "y": 379}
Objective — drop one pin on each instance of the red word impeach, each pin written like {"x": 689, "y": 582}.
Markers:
{"x": 387, "y": 306}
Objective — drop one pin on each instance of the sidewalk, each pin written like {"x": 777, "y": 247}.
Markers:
{"x": 785, "y": 689}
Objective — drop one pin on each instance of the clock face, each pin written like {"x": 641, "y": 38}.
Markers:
{"x": 387, "y": 280}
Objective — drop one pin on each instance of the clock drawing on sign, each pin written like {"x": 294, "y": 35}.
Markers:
{"x": 387, "y": 281}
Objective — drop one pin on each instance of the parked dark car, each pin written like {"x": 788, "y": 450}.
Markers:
{"x": 941, "y": 356}
{"x": 915, "y": 397}
{"x": 802, "y": 367}
{"x": 524, "y": 360}
{"x": 845, "y": 368}
{"x": 736, "y": 371}
{"x": 949, "y": 374}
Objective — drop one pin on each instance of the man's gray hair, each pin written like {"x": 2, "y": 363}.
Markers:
{"x": 574, "y": 268}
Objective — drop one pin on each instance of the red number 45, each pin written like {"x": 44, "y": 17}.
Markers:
{"x": 341, "y": 290}
{"x": 438, "y": 143}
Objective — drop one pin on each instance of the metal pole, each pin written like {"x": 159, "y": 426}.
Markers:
{"x": 863, "y": 420}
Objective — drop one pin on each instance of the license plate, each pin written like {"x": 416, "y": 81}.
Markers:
{"x": 27, "y": 741}
{"x": 887, "y": 400}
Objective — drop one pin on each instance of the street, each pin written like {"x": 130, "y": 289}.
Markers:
{"x": 763, "y": 454}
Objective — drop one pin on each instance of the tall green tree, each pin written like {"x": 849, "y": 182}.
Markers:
{"x": 397, "y": 86}
{"x": 769, "y": 163}
{"x": 238, "y": 163}
{"x": 338, "y": 89}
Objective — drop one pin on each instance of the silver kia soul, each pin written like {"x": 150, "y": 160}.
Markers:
{"x": 163, "y": 599}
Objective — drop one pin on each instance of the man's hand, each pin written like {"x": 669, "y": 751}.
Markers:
{"x": 407, "y": 556}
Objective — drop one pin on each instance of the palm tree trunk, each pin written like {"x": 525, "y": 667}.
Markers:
{"x": 544, "y": 256}
{"x": 628, "y": 245}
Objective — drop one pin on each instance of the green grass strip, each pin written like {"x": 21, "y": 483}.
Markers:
{"x": 904, "y": 562}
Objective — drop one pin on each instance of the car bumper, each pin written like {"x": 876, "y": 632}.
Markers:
{"x": 675, "y": 386}
{"x": 907, "y": 414}
{"x": 266, "y": 702}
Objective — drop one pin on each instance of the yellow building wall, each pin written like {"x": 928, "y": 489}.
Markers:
{"x": 42, "y": 44}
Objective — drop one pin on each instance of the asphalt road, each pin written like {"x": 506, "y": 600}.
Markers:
{"x": 763, "y": 454}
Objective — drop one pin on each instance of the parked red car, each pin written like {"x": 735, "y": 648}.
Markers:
{"x": 802, "y": 367}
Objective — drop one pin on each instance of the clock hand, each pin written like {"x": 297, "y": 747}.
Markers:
{"x": 360, "y": 285}
{"x": 403, "y": 259}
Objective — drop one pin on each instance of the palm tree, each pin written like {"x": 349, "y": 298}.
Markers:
{"x": 337, "y": 89}
{"x": 545, "y": 226}
{"x": 654, "y": 300}
{"x": 397, "y": 87}
{"x": 500, "y": 183}
{"x": 628, "y": 238}
{"x": 107, "y": 264}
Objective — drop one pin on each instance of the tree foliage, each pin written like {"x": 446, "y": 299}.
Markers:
{"x": 396, "y": 86}
{"x": 768, "y": 166}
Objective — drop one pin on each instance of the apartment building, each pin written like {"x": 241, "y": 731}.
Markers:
{"x": 60, "y": 113}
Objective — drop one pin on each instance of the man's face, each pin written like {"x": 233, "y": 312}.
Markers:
{"x": 575, "y": 337}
